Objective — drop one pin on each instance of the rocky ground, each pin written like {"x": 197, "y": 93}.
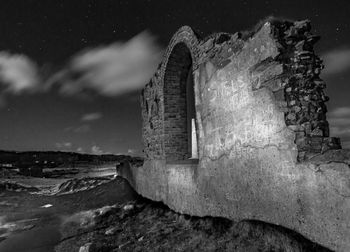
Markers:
{"x": 143, "y": 225}
{"x": 31, "y": 221}
{"x": 105, "y": 214}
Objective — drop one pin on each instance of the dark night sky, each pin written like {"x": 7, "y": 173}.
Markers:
{"x": 51, "y": 34}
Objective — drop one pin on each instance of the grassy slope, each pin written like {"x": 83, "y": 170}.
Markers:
{"x": 152, "y": 226}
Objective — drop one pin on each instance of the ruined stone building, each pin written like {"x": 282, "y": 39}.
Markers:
{"x": 234, "y": 125}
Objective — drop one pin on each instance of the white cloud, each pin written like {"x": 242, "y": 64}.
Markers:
{"x": 2, "y": 101}
{"x": 91, "y": 116}
{"x": 339, "y": 131}
{"x": 339, "y": 112}
{"x": 134, "y": 152}
{"x": 112, "y": 70}
{"x": 79, "y": 129}
{"x": 82, "y": 129}
{"x": 345, "y": 144}
{"x": 131, "y": 151}
{"x": 336, "y": 61}
{"x": 63, "y": 145}
{"x": 115, "y": 69}
{"x": 96, "y": 150}
{"x": 339, "y": 122}
{"x": 18, "y": 73}
{"x": 80, "y": 150}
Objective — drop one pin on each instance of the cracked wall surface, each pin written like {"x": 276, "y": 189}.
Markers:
{"x": 264, "y": 150}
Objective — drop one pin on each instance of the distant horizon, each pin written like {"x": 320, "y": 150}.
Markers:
{"x": 67, "y": 151}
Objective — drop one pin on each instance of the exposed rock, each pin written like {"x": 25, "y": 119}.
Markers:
{"x": 17, "y": 187}
{"x": 154, "y": 227}
{"x": 128, "y": 207}
{"x": 75, "y": 185}
{"x": 88, "y": 247}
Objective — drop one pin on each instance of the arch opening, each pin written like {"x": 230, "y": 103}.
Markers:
{"x": 180, "y": 137}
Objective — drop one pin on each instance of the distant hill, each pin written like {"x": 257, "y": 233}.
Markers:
{"x": 58, "y": 158}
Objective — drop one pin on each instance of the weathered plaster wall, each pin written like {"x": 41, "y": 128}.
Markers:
{"x": 264, "y": 149}
{"x": 234, "y": 117}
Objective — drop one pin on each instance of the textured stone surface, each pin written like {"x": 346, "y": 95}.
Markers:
{"x": 263, "y": 142}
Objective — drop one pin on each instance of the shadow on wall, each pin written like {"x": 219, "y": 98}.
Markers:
{"x": 123, "y": 169}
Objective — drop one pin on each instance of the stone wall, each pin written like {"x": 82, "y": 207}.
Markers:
{"x": 175, "y": 109}
{"x": 293, "y": 77}
{"x": 152, "y": 120}
{"x": 263, "y": 140}
{"x": 303, "y": 90}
